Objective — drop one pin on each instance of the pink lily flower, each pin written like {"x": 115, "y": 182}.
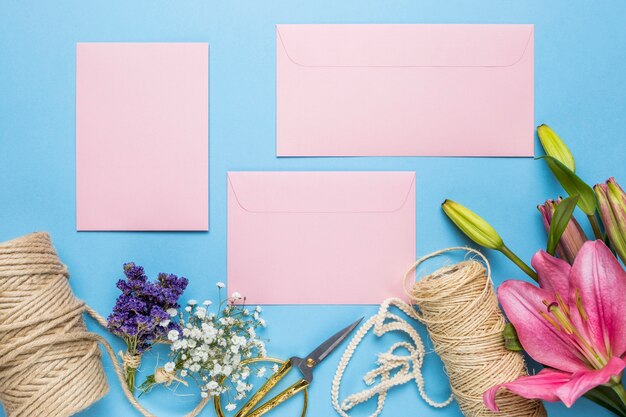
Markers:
{"x": 574, "y": 324}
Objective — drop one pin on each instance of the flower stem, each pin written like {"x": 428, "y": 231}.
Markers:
{"x": 517, "y": 261}
{"x": 130, "y": 379}
{"x": 595, "y": 226}
{"x": 619, "y": 390}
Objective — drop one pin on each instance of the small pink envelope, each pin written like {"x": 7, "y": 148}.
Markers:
{"x": 404, "y": 90}
{"x": 142, "y": 136}
{"x": 320, "y": 237}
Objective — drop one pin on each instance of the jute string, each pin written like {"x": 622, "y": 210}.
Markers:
{"x": 50, "y": 365}
{"x": 460, "y": 309}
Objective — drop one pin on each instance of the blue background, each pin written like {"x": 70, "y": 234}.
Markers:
{"x": 580, "y": 90}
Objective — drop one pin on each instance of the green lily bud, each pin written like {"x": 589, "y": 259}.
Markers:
{"x": 474, "y": 226}
{"x": 612, "y": 205}
{"x": 555, "y": 147}
{"x": 481, "y": 232}
{"x": 511, "y": 342}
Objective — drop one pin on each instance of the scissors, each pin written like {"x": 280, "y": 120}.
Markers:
{"x": 305, "y": 365}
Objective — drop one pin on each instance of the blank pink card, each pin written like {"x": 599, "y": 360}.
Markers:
{"x": 142, "y": 128}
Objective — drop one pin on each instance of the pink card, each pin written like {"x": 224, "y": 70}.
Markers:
{"x": 320, "y": 237}
{"x": 404, "y": 90}
{"x": 142, "y": 128}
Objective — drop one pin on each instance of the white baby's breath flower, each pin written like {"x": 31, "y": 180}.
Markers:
{"x": 217, "y": 369}
{"x": 164, "y": 323}
{"x": 200, "y": 313}
{"x": 241, "y": 387}
{"x": 172, "y": 312}
{"x": 169, "y": 367}
{"x": 230, "y": 407}
{"x": 204, "y": 394}
{"x": 275, "y": 368}
{"x": 258, "y": 309}
{"x": 210, "y": 346}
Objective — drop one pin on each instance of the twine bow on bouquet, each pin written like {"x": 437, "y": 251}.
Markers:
{"x": 574, "y": 321}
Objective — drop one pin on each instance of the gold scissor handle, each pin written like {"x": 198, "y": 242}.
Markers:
{"x": 265, "y": 388}
{"x": 283, "y": 396}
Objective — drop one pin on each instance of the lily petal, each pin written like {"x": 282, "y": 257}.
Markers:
{"x": 553, "y": 273}
{"x": 523, "y": 305}
{"x": 540, "y": 387}
{"x": 601, "y": 283}
{"x": 585, "y": 380}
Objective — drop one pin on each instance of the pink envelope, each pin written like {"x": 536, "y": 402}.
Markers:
{"x": 320, "y": 237}
{"x": 142, "y": 136}
{"x": 404, "y": 90}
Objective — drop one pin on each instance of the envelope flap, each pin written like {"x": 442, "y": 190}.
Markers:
{"x": 321, "y": 192}
{"x": 405, "y": 45}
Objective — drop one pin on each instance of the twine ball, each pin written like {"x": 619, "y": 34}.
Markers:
{"x": 49, "y": 364}
{"x": 460, "y": 309}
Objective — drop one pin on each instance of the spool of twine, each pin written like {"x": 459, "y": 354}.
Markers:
{"x": 460, "y": 309}
{"x": 50, "y": 365}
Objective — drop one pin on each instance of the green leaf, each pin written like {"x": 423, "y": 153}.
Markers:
{"x": 511, "y": 342}
{"x": 573, "y": 185}
{"x": 605, "y": 397}
{"x": 560, "y": 219}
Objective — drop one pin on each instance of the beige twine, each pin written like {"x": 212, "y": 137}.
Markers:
{"x": 459, "y": 307}
{"x": 129, "y": 361}
{"x": 50, "y": 365}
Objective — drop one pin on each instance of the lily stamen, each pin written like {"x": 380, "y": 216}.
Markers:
{"x": 580, "y": 307}
{"x": 562, "y": 304}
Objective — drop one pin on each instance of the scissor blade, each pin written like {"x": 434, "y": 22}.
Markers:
{"x": 322, "y": 351}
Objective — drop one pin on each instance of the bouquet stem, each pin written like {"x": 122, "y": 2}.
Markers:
{"x": 517, "y": 261}
{"x": 621, "y": 393}
{"x": 130, "y": 379}
{"x": 130, "y": 362}
{"x": 611, "y": 397}
{"x": 595, "y": 225}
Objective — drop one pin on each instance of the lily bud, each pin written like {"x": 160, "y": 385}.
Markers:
{"x": 474, "y": 226}
{"x": 555, "y": 147}
{"x": 612, "y": 205}
{"x": 481, "y": 232}
{"x": 572, "y": 238}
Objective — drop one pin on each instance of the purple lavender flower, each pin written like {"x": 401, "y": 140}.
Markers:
{"x": 140, "y": 314}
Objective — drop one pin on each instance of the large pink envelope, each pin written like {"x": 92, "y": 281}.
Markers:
{"x": 385, "y": 90}
{"x": 142, "y": 136}
{"x": 320, "y": 237}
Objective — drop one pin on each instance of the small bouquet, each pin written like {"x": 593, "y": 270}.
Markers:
{"x": 574, "y": 321}
{"x": 210, "y": 348}
{"x": 142, "y": 315}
